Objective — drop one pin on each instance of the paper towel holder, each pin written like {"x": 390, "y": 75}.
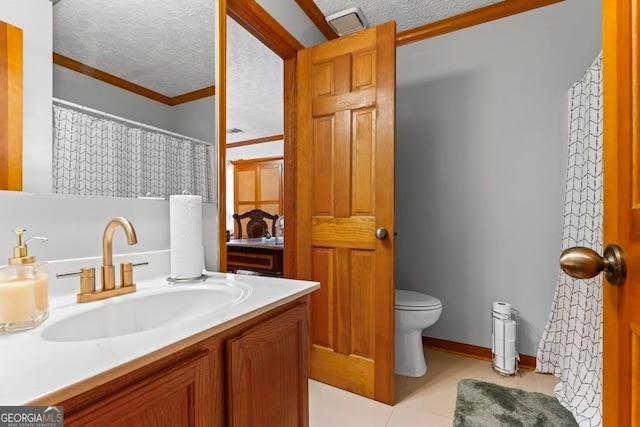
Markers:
{"x": 503, "y": 371}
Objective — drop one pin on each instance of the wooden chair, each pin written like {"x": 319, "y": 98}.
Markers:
{"x": 257, "y": 226}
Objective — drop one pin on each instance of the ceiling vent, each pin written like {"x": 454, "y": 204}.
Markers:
{"x": 348, "y": 21}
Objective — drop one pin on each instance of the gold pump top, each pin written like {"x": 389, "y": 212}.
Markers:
{"x": 21, "y": 252}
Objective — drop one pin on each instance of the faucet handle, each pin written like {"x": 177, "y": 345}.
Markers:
{"x": 87, "y": 280}
{"x": 126, "y": 274}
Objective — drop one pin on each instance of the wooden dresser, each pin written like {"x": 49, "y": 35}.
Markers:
{"x": 255, "y": 255}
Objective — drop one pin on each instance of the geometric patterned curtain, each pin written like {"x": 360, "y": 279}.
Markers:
{"x": 105, "y": 156}
{"x": 571, "y": 345}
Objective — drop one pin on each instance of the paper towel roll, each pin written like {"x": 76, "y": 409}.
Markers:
{"x": 185, "y": 221}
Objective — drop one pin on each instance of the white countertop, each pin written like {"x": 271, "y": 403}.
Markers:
{"x": 32, "y": 368}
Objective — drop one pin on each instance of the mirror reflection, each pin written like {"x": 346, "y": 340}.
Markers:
{"x": 255, "y": 126}
{"x": 134, "y": 106}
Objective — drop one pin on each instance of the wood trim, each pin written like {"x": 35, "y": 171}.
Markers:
{"x": 474, "y": 351}
{"x": 619, "y": 159}
{"x": 253, "y": 18}
{"x": 105, "y": 77}
{"x": 11, "y": 107}
{"x": 221, "y": 110}
{"x": 193, "y": 96}
{"x": 289, "y": 202}
{"x": 470, "y": 19}
{"x": 317, "y": 17}
{"x": 384, "y": 195}
{"x": 255, "y": 141}
{"x": 258, "y": 160}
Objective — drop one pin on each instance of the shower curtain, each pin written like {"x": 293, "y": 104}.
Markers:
{"x": 571, "y": 345}
{"x": 101, "y": 156}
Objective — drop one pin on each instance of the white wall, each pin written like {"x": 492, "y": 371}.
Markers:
{"x": 73, "y": 224}
{"x": 291, "y": 16}
{"x": 84, "y": 90}
{"x": 196, "y": 119}
{"x": 34, "y": 17}
{"x": 481, "y": 157}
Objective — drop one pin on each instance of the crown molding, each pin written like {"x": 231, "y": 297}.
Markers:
{"x": 105, "y": 77}
{"x": 470, "y": 19}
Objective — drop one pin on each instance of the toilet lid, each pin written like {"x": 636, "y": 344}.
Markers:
{"x": 410, "y": 299}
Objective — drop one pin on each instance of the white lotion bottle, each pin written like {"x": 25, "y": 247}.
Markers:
{"x": 24, "y": 289}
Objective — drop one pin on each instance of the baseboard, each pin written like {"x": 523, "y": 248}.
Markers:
{"x": 477, "y": 352}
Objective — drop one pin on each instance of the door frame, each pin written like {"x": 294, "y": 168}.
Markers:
{"x": 620, "y": 22}
{"x": 259, "y": 23}
{"x": 253, "y": 18}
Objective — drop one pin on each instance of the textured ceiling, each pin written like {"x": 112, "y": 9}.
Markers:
{"x": 168, "y": 46}
{"x": 254, "y": 86}
{"x": 407, "y": 13}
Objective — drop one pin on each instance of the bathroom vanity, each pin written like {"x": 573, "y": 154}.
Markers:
{"x": 252, "y": 374}
{"x": 230, "y": 351}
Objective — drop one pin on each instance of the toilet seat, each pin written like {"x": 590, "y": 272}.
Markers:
{"x": 416, "y": 301}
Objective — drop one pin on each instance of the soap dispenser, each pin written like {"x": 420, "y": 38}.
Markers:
{"x": 24, "y": 289}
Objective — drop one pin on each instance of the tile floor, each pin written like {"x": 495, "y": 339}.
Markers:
{"x": 426, "y": 401}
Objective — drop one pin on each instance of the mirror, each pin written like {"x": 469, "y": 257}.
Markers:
{"x": 151, "y": 68}
{"x": 252, "y": 94}
{"x": 83, "y": 87}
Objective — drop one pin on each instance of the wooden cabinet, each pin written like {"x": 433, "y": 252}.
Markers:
{"x": 175, "y": 396}
{"x": 254, "y": 374}
{"x": 267, "y": 361}
{"x": 252, "y": 254}
{"x": 258, "y": 184}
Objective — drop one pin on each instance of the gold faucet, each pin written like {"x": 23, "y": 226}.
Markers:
{"x": 108, "y": 270}
{"x": 87, "y": 279}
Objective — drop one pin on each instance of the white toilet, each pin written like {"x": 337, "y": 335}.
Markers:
{"x": 414, "y": 313}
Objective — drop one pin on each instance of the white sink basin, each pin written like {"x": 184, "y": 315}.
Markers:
{"x": 144, "y": 311}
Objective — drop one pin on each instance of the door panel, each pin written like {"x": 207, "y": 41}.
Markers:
{"x": 345, "y": 190}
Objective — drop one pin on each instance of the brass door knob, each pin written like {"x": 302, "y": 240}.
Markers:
{"x": 381, "y": 233}
{"x": 584, "y": 263}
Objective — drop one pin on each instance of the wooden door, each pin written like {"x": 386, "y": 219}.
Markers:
{"x": 621, "y": 343}
{"x": 345, "y": 192}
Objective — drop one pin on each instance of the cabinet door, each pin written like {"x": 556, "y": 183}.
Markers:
{"x": 258, "y": 184}
{"x": 173, "y": 397}
{"x": 268, "y": 375}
